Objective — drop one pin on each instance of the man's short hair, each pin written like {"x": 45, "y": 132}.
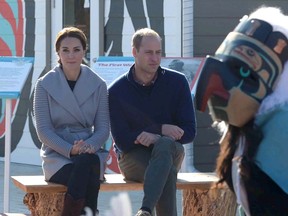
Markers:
{"x": 140, "y": 33}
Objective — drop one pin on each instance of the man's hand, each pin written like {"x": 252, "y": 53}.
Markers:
{"x": 147, "y": 139}
{"x": 172, "y": 131}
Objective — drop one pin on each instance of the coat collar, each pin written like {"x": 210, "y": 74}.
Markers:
{"x": 57, "y": 87}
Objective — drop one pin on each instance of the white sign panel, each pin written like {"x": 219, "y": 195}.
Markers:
{"x": 13, "y": 74}
{"x": 109, "y": 68}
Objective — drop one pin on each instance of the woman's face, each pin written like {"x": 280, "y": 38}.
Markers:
{"x": 71, "y": 53}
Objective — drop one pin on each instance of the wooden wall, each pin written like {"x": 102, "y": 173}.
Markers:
{"x": 214, "y": 19}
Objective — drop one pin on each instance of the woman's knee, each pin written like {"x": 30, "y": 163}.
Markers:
{"x": 86, "y": 160}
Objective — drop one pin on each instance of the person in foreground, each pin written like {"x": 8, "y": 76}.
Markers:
{"x": 152, "y": 115}
{"x": 72, "y": 122}
{"x": 245, "y": 84}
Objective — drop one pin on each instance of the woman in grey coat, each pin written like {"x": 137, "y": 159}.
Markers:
{"x": 72, "y": 122}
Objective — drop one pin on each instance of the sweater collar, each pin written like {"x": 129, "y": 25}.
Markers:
{"x": 132, "y": 78}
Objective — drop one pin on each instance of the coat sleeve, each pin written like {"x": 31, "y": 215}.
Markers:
{"x": 44, "y": 127}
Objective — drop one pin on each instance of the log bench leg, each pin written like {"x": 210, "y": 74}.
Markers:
{"x": 211, "y": 202}
{"x": 196, "y": 202}
{"x": 48, "y": 204}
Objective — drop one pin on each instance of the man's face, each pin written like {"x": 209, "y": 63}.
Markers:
{"x": 148, "y": 57}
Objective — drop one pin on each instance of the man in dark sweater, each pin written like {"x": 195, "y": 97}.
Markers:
{"x": 152, "y": 115}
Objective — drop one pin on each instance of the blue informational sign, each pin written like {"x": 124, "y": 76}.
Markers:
{"x": 110, "y": 67}
{"x": 13, "y": 74}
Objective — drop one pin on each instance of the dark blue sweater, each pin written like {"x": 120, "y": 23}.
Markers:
{"x": 135, "y": 108}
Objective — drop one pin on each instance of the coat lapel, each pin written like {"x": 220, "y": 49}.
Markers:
{"x": 86, "y": 85}
{"x": 56, "y": 85}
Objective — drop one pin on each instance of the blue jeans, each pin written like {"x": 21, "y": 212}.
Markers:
{"x": 157, "y": 168}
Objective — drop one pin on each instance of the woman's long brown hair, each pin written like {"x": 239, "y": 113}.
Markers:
{"x": 228, "y": 147}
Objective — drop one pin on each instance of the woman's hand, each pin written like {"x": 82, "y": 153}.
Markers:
{"x": 80, "y": 147}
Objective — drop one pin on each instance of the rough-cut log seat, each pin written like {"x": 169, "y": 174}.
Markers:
{"x": 45, "y": 198}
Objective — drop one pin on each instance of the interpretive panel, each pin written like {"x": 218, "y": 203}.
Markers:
{"x": 13, "y": 74}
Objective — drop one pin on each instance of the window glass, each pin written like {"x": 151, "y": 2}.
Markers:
{"x": 77, "y": 13}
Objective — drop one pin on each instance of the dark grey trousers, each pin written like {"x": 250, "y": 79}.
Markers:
{"x": 157, "y": 168}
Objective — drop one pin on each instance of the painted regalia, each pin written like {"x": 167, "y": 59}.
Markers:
{"x": 245, "y": 85}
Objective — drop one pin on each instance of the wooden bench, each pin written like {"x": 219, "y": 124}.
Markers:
{"x": 43, "y": 198}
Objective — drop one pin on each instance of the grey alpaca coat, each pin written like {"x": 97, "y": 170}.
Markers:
{"x": 63, "y": 116}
